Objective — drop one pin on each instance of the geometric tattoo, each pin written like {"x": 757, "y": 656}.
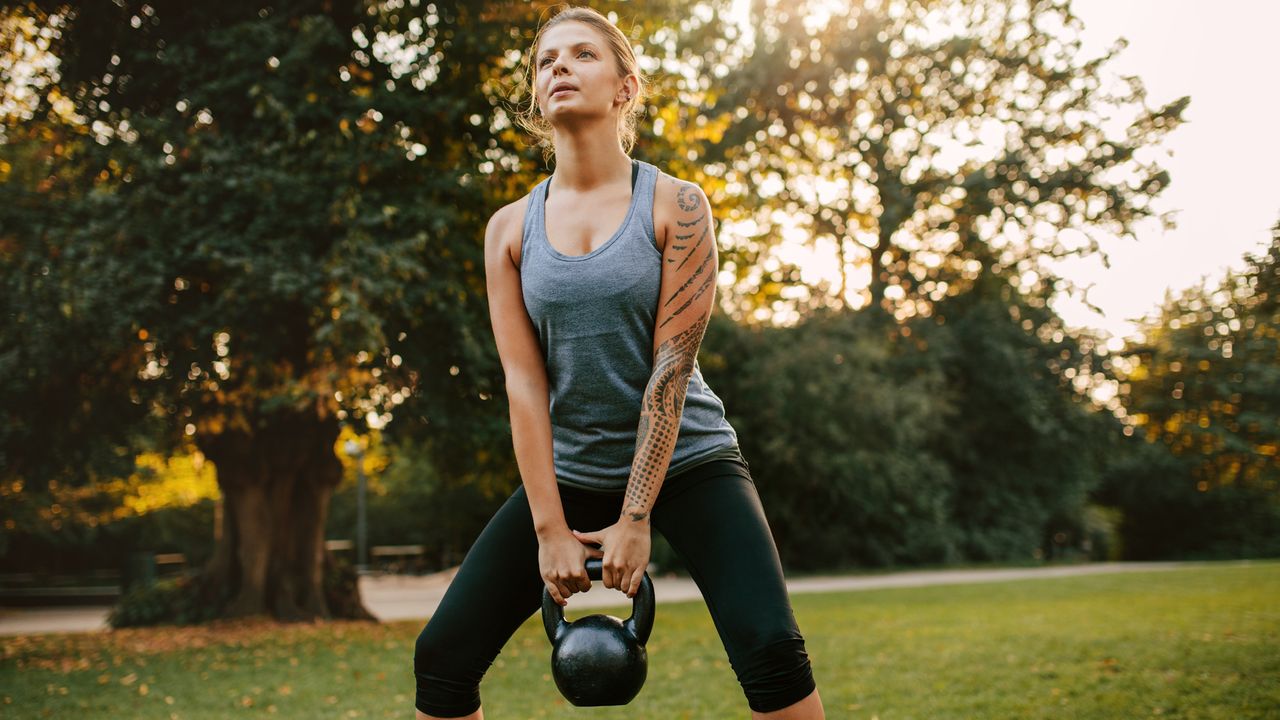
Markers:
{"x": 660, "y": 411}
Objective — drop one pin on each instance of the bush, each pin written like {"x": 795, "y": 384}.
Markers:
{"x": 1167, "y": 516}
{"x": 1102, "y": 532}
{"x": 412, "y": 503}
{"x": 195, "y": 598}
{"x": 836, "y": 428}
{"x": 341, "y": 589}
{"x": 78, "y": 547}
{"x": 184, "y": 600}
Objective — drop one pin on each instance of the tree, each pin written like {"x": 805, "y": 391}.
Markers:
{"x": 241, "y": 227}
{"x": 1200, "y": 389}
{"x": 836, "y": 421}
{"x": 239, "y": 224}
{"x": 1204, "y": 381}
{"x": 950, "y": 153}
{"x": 921, "y": 143}
{"x": 1025, "y": 443}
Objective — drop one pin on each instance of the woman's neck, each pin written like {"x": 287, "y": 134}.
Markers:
{"x": 586, "y": 161}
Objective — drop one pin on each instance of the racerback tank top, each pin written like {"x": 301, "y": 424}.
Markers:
{"x": 594, "y": 316}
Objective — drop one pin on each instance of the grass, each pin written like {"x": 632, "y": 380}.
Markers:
{"x": 1195, "y": 642}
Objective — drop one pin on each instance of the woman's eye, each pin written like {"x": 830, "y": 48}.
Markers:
{"x": 543, "y": 62}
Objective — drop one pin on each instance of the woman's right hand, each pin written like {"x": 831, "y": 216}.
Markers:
{"x": 562, "y": 560}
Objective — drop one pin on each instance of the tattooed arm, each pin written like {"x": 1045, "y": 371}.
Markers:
{"x": 689, "y": 267}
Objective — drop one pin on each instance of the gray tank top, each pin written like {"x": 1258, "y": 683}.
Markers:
{"x": 594, "y": 315}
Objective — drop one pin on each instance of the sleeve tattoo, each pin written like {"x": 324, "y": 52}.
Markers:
{"x": 663, "y": 402}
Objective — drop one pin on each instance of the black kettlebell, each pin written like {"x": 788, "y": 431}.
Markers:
{"x": 598, "y": 659}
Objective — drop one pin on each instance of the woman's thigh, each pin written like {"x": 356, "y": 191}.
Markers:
{"x": 495, "y": 589}
{"x": 715, "y": 522}
{"x": 713, "y": 518}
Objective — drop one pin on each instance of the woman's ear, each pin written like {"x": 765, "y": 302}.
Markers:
{"x": 630, "y": 87}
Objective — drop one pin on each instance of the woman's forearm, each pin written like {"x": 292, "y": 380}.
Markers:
{"x": 531, "y": 437}
{"x": 660, "y": 410}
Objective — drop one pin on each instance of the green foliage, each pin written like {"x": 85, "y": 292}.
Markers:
{"x": 196, "y": 597}
{"x": 63, "y": 414}
{"x": 411, "y": 502}
{"x": 1166, "y": 514}
{"x": 1023, "y": 443}
{"x": 221, "y": 217}
{"x": 1202, "y": 474}
{"x": 256, "y": 219}
{"x": 1102, "y": 530}
{"x": 182, "y": 600}
{"x": 1203, "y": 383}
{"x": 78, "y": 546}
{"x": 834, "y": 439}
{"x": 957, "y": 436}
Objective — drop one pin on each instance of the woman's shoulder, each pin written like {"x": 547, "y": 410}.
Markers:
{"x": 511, "y": 213}
{"x": 506, "y": 226}
{"x": 675, "y": 192}
{"x": 673, "y": 198}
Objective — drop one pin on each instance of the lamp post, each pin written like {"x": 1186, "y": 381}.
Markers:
{"x": 355, "y": 452}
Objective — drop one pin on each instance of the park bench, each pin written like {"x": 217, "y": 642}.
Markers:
{"x": 397, "y": 558}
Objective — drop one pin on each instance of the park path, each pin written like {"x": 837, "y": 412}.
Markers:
{"x": 405, "y": 597}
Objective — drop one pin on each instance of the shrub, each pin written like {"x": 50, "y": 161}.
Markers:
{"x": 184, "y": 600}
{"x": 341, "y": 589}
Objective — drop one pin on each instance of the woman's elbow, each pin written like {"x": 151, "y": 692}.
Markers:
{"x": 525, "y": 387}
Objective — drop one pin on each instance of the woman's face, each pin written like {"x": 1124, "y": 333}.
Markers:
{"x": 574, "y": 55}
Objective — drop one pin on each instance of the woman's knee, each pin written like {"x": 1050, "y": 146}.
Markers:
{"x": 774, "y": 670}
{"x": 447, "y": 686}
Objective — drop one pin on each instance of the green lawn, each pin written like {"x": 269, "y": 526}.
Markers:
{"x": 1199, "y": 642}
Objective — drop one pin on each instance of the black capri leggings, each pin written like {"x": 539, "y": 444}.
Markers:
{"x": 711, "y": 516}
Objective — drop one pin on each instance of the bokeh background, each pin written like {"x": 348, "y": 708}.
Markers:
{"x": 244, "y": 311}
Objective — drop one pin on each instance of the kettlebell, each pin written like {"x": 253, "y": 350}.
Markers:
{"x": 598, "y": 659}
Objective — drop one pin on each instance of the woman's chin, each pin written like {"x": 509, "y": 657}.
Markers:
{"x": 574, "y": 115}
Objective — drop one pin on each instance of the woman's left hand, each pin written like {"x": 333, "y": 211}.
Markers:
{"x": 626, "y": 553}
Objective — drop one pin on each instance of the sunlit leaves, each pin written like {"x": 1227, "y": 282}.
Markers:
{"x": 1203, "y": 381}
{"x": 968, "y": 131}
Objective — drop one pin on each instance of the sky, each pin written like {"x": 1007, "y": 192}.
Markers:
{"x": 1225, "y": 159}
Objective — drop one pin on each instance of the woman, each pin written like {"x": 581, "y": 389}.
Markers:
{"x": 600, "y": 282}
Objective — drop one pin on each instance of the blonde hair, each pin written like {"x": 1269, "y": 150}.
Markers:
{"x": 530, "y": 117}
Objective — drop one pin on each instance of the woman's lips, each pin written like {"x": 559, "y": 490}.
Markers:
{"x": 562, "y": 90}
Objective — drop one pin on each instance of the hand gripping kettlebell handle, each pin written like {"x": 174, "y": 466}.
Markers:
{"x": 639, "y": 624}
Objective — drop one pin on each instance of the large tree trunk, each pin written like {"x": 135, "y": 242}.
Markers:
{"x": 276, "y": 482}
{"x": 253, "y": 546}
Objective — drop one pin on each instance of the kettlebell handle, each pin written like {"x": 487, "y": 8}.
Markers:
{"x": 640, "y": 624}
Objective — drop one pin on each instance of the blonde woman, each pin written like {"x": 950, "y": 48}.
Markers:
{"x": 600, "y": 282}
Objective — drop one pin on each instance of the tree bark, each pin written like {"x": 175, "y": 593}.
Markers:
{"x": 222, "y": 564}
{"x": 253, "y": 549}
{"x": 276, "y": 482}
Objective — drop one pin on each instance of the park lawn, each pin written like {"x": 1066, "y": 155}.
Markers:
{"x": 1195, "y": 642}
